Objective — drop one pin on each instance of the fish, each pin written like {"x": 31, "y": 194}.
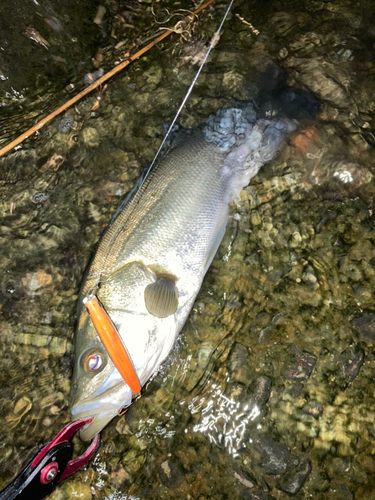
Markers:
{"x": 151, "y": 261}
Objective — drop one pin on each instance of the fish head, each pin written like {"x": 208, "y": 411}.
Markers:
{"x": 127, "y": 296}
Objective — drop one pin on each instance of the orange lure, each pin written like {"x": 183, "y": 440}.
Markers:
{"x": 112, "y": 342}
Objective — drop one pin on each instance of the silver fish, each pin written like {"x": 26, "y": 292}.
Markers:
{"x": 152, "y": 259}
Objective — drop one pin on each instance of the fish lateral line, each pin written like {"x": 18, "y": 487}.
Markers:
{"x": 112, "y": 343}
{"x": 146, "y": 174}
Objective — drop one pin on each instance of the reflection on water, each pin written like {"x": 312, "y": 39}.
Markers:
{"x": 223, "y": 420}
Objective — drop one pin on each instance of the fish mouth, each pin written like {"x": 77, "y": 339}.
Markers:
{"x": 100, "y": 420}
{"x": 103, "y": 408}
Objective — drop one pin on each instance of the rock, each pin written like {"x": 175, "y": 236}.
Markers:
{"x": 294, "y": 481}
{"x": 33, "y": 282}
{"x": 362, "y": 250}
{"x": 237, "y": 356}
{"x": 261, "y": 389}
{"x": 315, "y": 409}
{"x": 350, "y": 270}
{"x": 78, "y": 489}
{"x": 274, "y": 457}
{"x": 295, "y": 240}
{"x": 365, "y": 326}
{"x": 66, "y": 124}
{"x": 243, "y": 478}
{"x": 352, "y": 362}
{"x": 254, "y": 495}
{"x": 90, "y": 137}
{"x": 309, "y": 277}
{"x": 343, "y": 493}
{"x": 329, "y": 215}
{"x": 303, "y": 367}
{"x": 170, "y": 474}
{"x": 40, "y": 198}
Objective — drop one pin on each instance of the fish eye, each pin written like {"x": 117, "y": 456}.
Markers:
{"x": 93, "y": 361}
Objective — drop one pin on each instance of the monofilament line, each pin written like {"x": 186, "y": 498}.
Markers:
{"x": 212, "y": 44}
{"x": 123, "y": 214}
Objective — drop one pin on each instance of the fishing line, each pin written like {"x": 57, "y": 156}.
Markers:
{"x": 210, "y": 47}
{"x": 212, "y": 44}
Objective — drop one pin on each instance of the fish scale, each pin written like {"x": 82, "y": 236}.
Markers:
{"x": 157, "y": 250}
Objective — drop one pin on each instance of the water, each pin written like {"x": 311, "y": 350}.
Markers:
{"x": 268, "y": 391}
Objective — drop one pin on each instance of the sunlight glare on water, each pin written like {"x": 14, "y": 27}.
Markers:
{"x": 223, "y": 420}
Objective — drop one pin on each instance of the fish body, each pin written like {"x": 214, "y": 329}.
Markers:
{"x": 150, "y": 263}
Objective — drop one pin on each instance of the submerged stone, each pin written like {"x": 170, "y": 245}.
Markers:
{"x": 274, "y": 455}
{"x": 365, "y": 326}
{"x": 294, "y": 480}
{"x": 170, "y": 474}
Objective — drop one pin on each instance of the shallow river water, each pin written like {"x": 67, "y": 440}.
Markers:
{"x": 269, "y": 391}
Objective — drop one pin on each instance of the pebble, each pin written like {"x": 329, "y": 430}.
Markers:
{"x": 170, "y": 474}
{"x": 262, "y": 389}
{"x": 365, "y": 326}
{"x": 295, "y": 480}
{"x": 343, "y": 493}
{"x": 90, "y": 78}
{"x": 237, "y": 357}
{"x": 91, "y": 137}
{"x": 315, "y": 409}
{"x": 40, "y": 197}
{"x": 275, "y": 456}
{"x": 22, "y": 406}
{"x": 66, "y": 124}
{"x": 303, "y": 367}
{"x": 352, "y": 362}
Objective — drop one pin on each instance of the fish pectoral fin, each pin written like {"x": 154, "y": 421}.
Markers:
{"x": 161, "y": 297}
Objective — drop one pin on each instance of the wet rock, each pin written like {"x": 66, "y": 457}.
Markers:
{"x": 153, "y": 75}
{"x": 255, "y": 495}
{"x": 295, "y": 390}
{"x": 90, "y": 78}
{"x": 315, "y": 73}
{"x": 255, "y": 218}
{"x": 343, "y": 493}
{"x": 90, "y": 137}
{"x": 350, "y": 270}
{"x": 315, "y": 409}
{"x": 33, "y": 282}
{"x": 243, "y": 478}
{"x": 274, "y": 455}
{"x": 294, "y": 480}
{"x": 237, "y": 357}
{"x": 329, "y": 215}
{"x": 22, "y": 406}
{"x": 266, "y": 332}
{"x": 40, "y": 197}
{"x": 122, "y": 427}
{"x": 261, "y": 389}
{"x": 170, "y": 474}
{"x": 78, "y": 489}
{"x": 233, "y": 83}
{"x": 351, "y": 363}
{"x": 235, "y": 390}
{"x": 295, "y": 240}
{"x": 305, "y": 295}
{"x": 365, "y": 326}
{"x": 363, "y": 250}
{"x": 309, "y": 277}
{"x": 303, "y": 366}
{"x": 66, "y": 124}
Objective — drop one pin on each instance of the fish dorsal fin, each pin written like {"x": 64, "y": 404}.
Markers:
{"x": 161, "y": 297}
